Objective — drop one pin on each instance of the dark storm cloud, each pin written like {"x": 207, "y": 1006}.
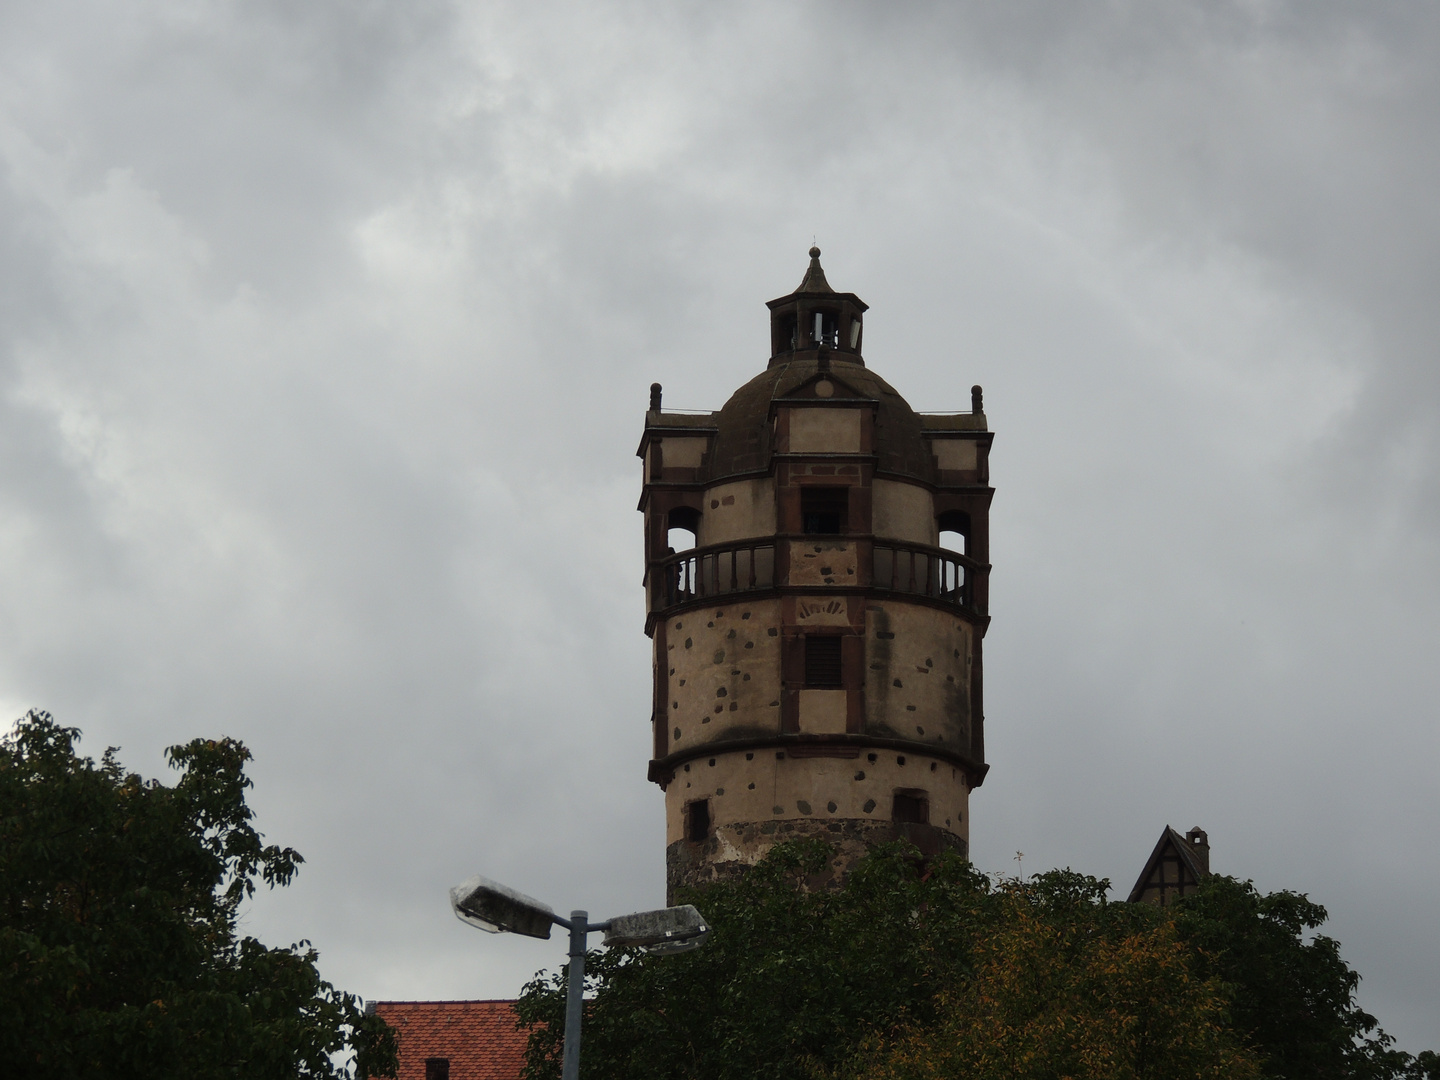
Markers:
{"x": 326, "y": 340}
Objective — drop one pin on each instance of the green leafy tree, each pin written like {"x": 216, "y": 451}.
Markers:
{"x": 1292, "y": 995}
{"x": 918, "y": 971}
{"x": 795, "y": 982}
{"x": 788, "y": 977}
{"x": 119, "y": 897}
{"x": 1056, "y": 992}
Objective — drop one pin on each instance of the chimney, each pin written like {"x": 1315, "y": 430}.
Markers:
{"x": 1199, "y": 846}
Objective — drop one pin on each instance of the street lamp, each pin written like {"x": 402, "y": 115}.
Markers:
{"x": 487, "y": 905}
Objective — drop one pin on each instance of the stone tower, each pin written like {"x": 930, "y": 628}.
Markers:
{"x": 817, "y": 571}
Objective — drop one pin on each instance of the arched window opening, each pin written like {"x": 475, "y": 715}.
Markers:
{"x": 954, "y": 528}
{"x": 682, "y": 528}
{"x": 825, "y": 325}
{"x": 784, "y": 334}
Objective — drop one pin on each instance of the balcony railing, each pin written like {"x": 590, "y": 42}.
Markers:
{"x": 704, "y": 573}
{"x": 707, "y": 572}
{"x": 928, "y": 571}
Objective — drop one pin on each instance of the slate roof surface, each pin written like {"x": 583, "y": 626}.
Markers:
{"x": 743, "y": 442}
{"x": 478, "y": 1037}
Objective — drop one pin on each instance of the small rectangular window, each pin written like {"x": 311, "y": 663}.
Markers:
{"x": 437, "y": 1069}
{"x": 823, "y": 510}
{"x": 697, "y": 820}
{"x": 822, "y": 662}
{"x": 912, "y": 807}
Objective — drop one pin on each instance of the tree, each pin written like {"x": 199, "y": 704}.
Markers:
{"x": 921, "y": 971}
{"x": 787, "y": 976}
{"x": 1055, "y": 992}
{"x": 119, "y": 898}
{"x": 795, "y": 982}
{"x": 1293, "y": 999}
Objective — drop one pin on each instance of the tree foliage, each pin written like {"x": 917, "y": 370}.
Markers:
{"x": 788, "y": 976}
{"x": 119, "y": 898}
{"x": 918, "y": 971}
{"x": 1292, "y": 995}
{"x": 1055, "y": 992}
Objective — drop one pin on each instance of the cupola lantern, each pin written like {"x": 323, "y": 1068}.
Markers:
{"x": 815, "y": 317}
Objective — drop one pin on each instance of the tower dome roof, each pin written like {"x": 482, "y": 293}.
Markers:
{"x": 743, "y": 441}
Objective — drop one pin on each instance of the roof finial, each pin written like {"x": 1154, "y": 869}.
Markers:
{"x": 814, "y": 280}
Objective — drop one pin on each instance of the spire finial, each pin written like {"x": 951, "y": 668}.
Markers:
{"x": 814, "y": 280}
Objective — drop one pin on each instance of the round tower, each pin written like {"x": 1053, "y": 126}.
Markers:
{"x": 817, "y": 569}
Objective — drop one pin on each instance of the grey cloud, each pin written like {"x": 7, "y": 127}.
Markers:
{"x": 327, "y": 338}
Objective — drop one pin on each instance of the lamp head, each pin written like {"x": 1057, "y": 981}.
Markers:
{"x": 497, "y": 909}
{"x": 659, "y": 933}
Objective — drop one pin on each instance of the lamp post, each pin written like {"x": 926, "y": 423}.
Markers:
{"x": 487, "y": 905}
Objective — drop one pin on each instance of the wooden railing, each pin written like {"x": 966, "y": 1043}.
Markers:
{"x": 928, "y": 571}
{"x": 715, "y": 571}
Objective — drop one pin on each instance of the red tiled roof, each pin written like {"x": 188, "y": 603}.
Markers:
{"x": 478, "y": 1037}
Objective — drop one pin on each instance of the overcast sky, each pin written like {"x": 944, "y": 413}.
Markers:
{"x": 326, "y": 332}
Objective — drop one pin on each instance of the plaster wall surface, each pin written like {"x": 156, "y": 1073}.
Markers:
{"x": 740, "y": 510}
{"x": 956, "y": 453}
{"x": 917, "y": 674}
{"x": 901, "y": 511}
{"x": 822, "y": 562}
{"x": 723, "y": 673}
{"x": 772, "y": 786}
{"x": 677, "y": 452}
{"x": 824, "y": 431}
{"x": 822, "y": 712}
{"x": 683, "y": 453}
